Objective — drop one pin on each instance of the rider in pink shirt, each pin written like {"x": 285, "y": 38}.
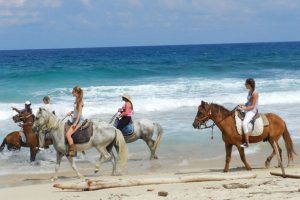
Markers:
{"x": 126, "y": 112}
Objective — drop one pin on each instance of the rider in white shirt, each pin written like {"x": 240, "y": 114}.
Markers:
{"x": 47, "y": 106}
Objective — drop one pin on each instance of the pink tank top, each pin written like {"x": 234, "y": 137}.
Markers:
{"x": 130, "y": 113}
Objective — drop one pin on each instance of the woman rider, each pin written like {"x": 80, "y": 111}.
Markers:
{"x": 250, "y": 108}
{"x": 126, "y": 112}
{"x": 77, "y": 118}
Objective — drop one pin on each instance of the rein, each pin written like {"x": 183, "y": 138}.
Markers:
{"x": 215, "y": 123}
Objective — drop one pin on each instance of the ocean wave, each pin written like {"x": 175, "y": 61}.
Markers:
{"x": 165, "y": 96}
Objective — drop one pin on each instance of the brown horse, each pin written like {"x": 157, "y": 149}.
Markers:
{"x": 224, "y": 120}
{"x": 14, "y": 140}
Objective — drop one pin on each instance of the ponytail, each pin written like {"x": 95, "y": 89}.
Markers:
{"x": 79, "y": 91}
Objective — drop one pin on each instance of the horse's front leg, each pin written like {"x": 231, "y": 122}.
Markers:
{"x": 243, "y": 157}
{"x": 58, "y": 160}
{"x": 228, "y": 148}
{"x": 72, "y": 163}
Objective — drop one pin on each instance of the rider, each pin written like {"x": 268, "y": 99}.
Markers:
{"x": 126, "y": 112}
{"x": 26, "y": 109}
{"x": 47, "y": 106}
{"x": 77, "y": 118}
{"x": 250, "y": 108}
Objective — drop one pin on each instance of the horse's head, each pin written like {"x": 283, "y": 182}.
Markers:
{"x": 203, "y": 114}
{"x": 22, "y": 117}
{"x": 41, "y": 124}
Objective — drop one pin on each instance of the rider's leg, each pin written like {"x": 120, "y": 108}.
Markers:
{"x": 123, "y": 122}
{"x": 69, "y": 134}
{"x": 248, "y": 117}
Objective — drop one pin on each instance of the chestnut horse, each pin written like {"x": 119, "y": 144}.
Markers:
{"x": 225, "y": 121}
{"x": 13, "y": 140}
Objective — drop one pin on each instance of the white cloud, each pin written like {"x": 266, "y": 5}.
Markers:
{"x": 52, "y": 3}
{"x": 12, "y": 3}
{"x": 18, "y": 17}
{"x": 5, "y": 13}
{"x": 86, "y": 3}
{"x": 136, "y": 3}
{"x": 173, "y": 4}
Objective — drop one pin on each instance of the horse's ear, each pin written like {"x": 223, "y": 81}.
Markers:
{"x": 202, "y": 103}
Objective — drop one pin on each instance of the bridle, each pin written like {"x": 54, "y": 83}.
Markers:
{"x": 204, "y": 120}
{"x": 24, "y": 118}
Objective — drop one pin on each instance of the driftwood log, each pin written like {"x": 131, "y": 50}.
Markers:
{"x": 282, "y": 174}
{"x": 285, "y": 175}
{"x": 89, "y": 185}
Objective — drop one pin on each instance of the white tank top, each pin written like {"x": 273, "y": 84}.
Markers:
{"x": 249, "y": 102}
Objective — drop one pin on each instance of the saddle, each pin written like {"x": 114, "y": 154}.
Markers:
{"x": 257, "y": 124}
{"x": 83, "y": 134}
{"x": 127, "y": 130}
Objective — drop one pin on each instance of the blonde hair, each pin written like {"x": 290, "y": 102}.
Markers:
{"x": 79, "y": 91}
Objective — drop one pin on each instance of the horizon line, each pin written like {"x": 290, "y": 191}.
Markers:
{"x": 155, "y": 45}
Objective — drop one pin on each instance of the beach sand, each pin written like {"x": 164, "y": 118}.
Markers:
{"x": 265, "y": 186}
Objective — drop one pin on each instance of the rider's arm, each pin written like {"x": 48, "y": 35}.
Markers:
{"x": 253, "y": 103}
{"x": 17, "y": 110}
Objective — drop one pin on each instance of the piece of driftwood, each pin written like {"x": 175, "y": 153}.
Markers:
{"x": 236, "y": 185}
{"x": 285, "y": 175}
{"x": 89, "y": 185}
{"x": 273, "y": 192}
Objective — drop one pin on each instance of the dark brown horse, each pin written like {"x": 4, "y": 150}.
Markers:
{"x": 224, "y": 120}
{"x": 13, "y": 140}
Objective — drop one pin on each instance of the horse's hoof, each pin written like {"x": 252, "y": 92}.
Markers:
{"x": 53, "y": 179}
{"x": 96, "y": 171}
{"x": 267, "y": 164}
{"x": 80, "y": 176}
{"x": 225, "y": 170}
{"x": 153, "y": 157}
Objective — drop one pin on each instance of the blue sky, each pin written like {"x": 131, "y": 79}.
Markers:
{"x": 27, "y": 24}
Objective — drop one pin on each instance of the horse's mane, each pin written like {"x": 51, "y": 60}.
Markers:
{"x": 221, "y": 109}
{"x": 54, "y": 121}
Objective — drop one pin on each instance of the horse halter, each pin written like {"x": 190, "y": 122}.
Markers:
{"x": 205, "y": 119}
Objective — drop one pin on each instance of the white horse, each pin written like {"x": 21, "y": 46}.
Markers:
{"x": 104, "y": 138}
{"x": 144, "y": 129}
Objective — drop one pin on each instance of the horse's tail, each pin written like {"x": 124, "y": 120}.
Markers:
{"x": 159, "y": 135}
{"x": 3, "y": 145}
{"x": 122, "y": 149}
{"x": 288, "y": 144}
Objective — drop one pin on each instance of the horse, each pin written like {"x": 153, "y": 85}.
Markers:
{"x": 225, "y": 121}
{"x": 13, "y": 140}
{"x": 104, "y": 138}
{"x": 144, "y": 129}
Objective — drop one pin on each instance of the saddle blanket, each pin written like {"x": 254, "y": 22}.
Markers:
{"x": 83, "y": 134}
{"x": 127, "y": 130}
{"x": 260, "y": 122}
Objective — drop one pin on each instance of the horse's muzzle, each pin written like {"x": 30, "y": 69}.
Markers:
{"x": 196, "y": 125}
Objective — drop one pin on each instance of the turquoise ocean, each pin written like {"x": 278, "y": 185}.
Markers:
{"x": 166, "y": 83}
